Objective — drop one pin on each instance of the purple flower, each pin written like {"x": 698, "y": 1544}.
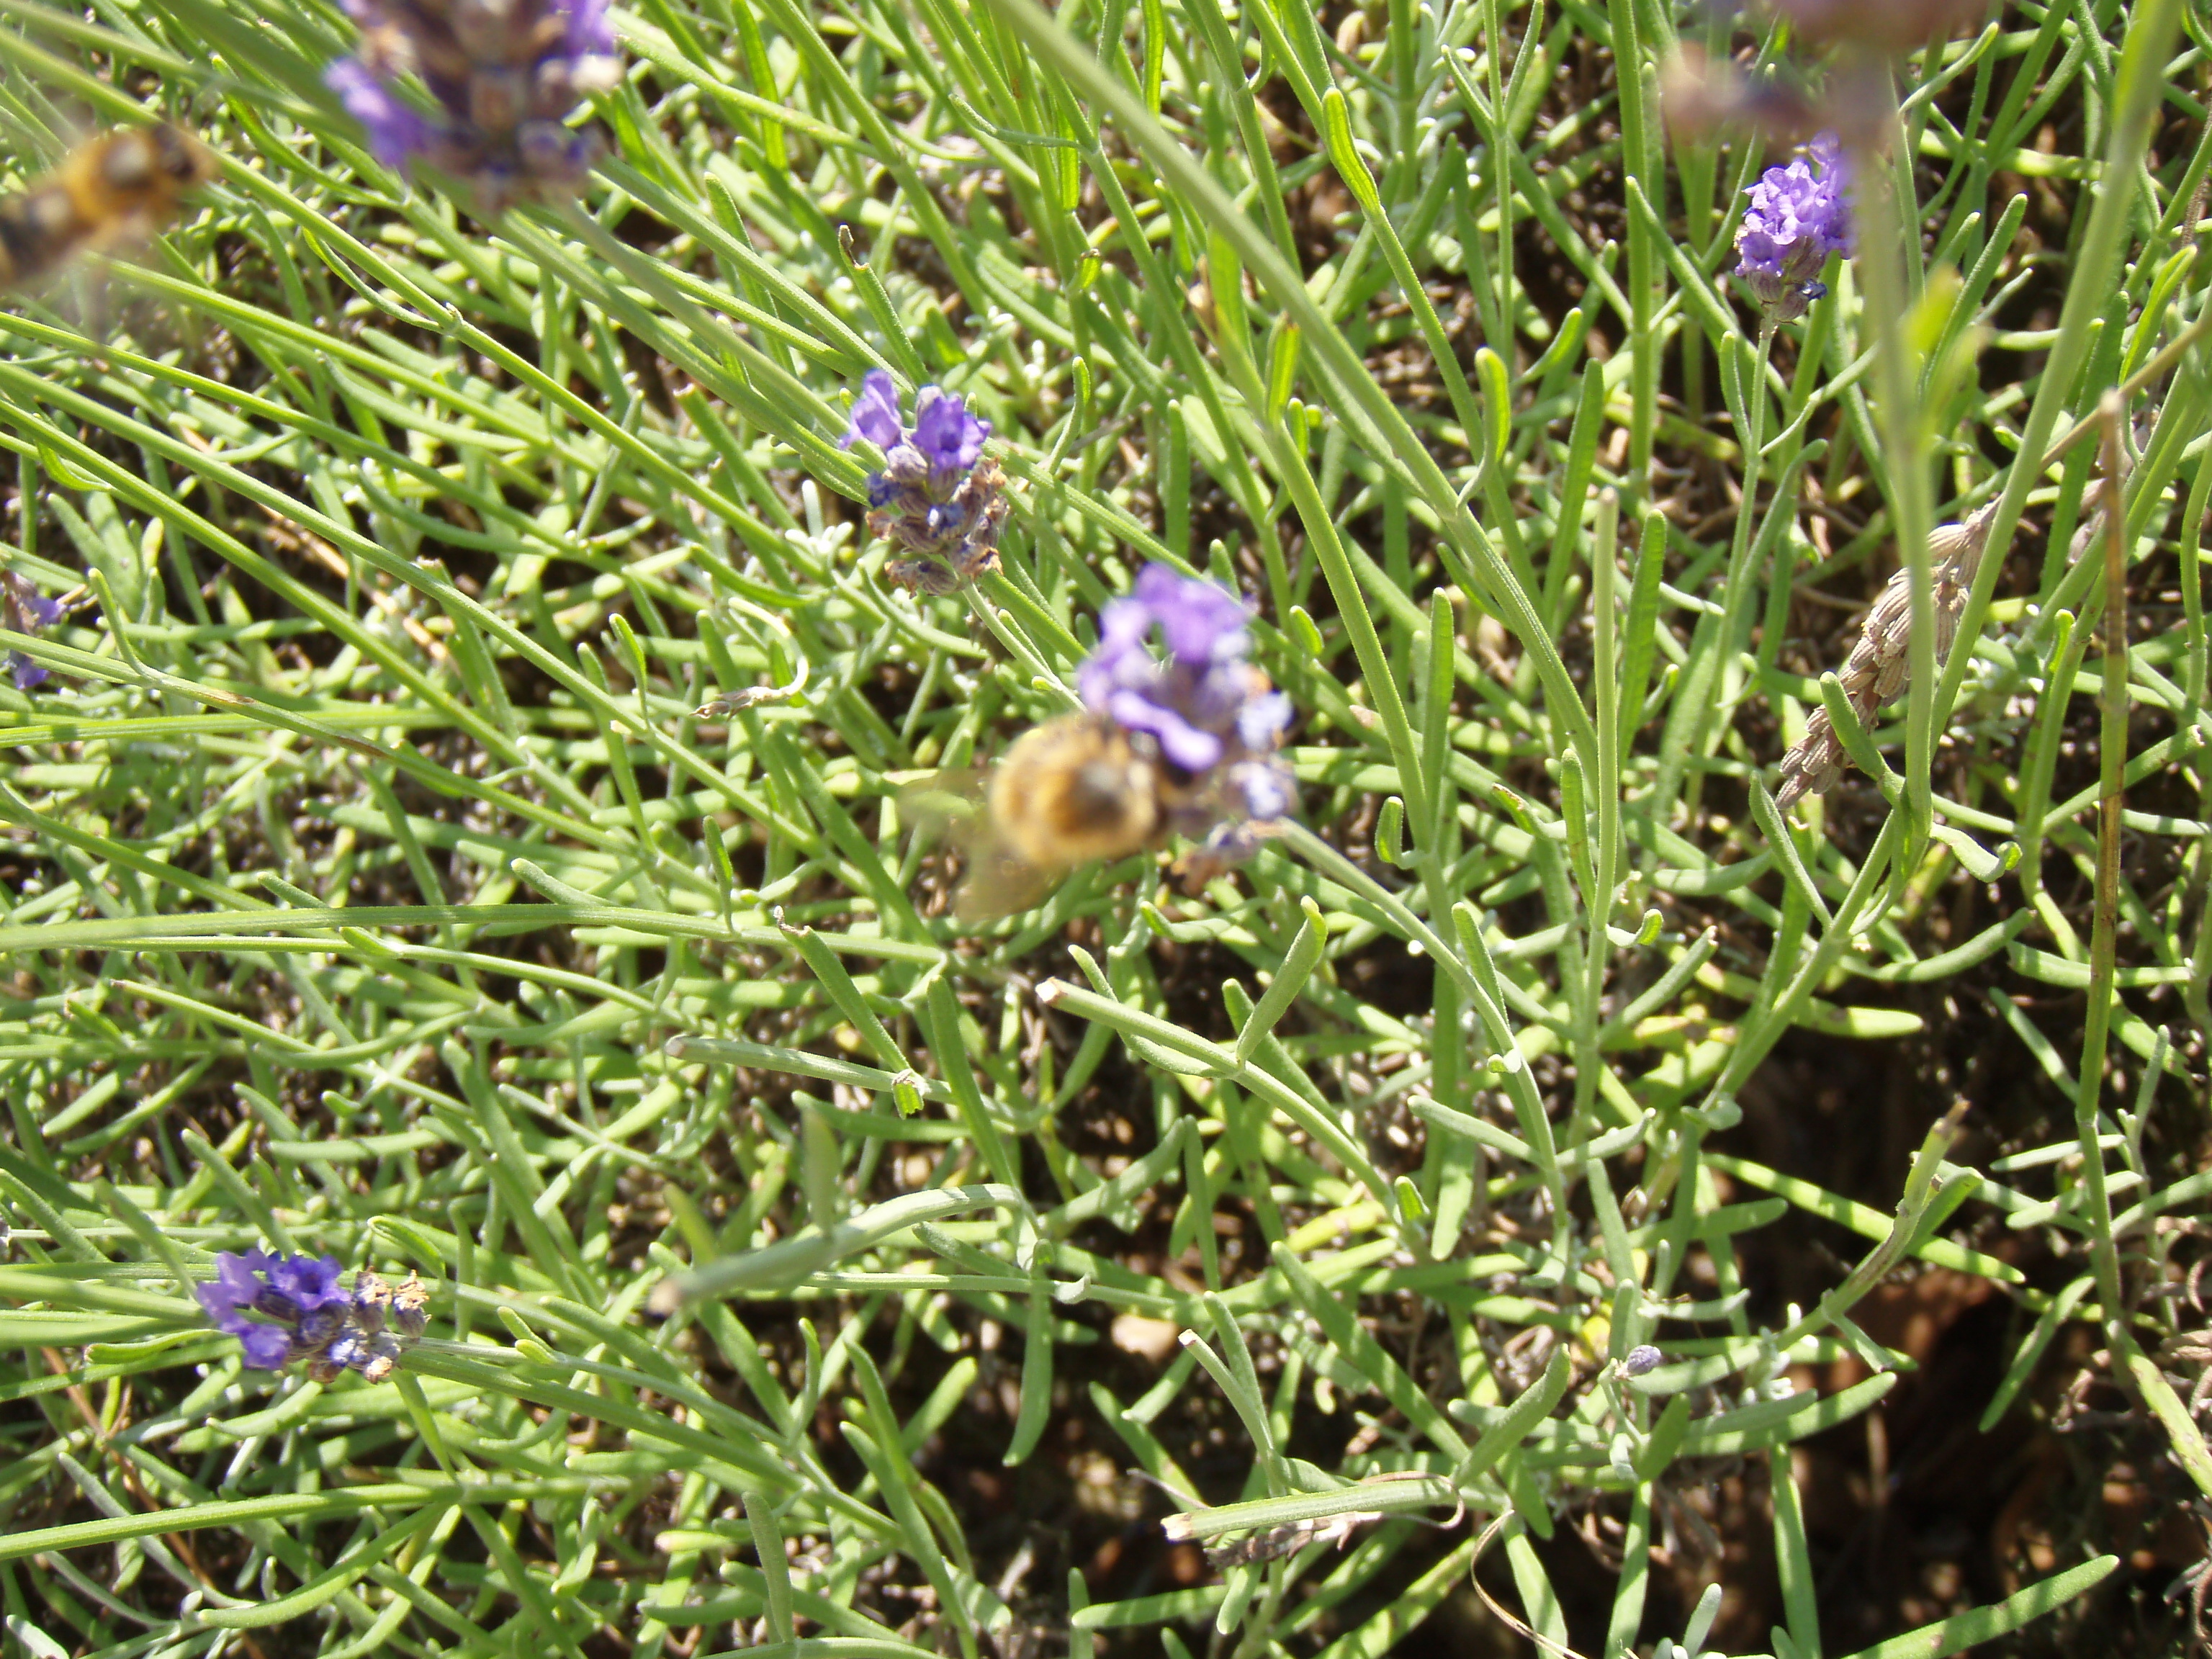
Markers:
{"x": 266, "y": 1347}
{"x": 1211, "y": 715}
{"x": 246, "y": 1283}
{"x": 506, "y": 75}
{"x": 1797, "y": 218}
{"x": 309, "y": 1282}
{"x": 939, "y": 498}
{"x": 395, "y": 133}
{"x": 875, "y": 413}
{"x": 26, "y": 611}
{"x": 1202, "y": 693}
{"x": 371, "y": 1301}
{"x": 945, "y": 432}
{"x": 236, "y": 1286}
{"x": 591, "y": 32}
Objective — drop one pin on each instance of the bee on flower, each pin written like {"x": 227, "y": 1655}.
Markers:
{"x": 939, "y": 498}
{"x": 505, "y": 73}
{"x": 1179, "y": 735}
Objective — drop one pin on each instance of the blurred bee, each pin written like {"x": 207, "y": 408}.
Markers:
{"x": 1073, "y": 790}
{"x": 112, "y": 190}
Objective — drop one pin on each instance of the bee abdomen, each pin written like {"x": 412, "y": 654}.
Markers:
{"x": 38, "y": 229}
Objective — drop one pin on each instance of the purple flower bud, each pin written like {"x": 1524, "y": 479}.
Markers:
{"x": 411, "y": 1304}
{"x": 371, "y": 1301}
{"x": 591, "y": 31}
{"x": 346, "y": 1348}
{"x": 236, "y": 1286}
{"x": 378, "y": 1358}
{"x": 1796, "y": 219}
{"x": 1266, "y": 788}
{"x": 321, "y": 1328}
{"x": 1642, "y": 1360}
{"x": 1202, "y": 620}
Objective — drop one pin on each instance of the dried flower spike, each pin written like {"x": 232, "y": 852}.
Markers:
{"x": 26, "y": 611}
{"x": 506, "y": 75}
{"x": 1875, "y": 672}
{"x": 939, "y": 498}
{"x": 1797, "y": 218}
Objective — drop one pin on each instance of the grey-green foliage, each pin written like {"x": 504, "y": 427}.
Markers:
{"x": 391, "y": 884}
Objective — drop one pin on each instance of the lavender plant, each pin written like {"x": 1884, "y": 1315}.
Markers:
{"x": 1472, "y": 1172}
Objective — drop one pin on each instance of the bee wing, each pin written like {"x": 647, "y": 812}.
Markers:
{"x": 998, "y": 883}
{"x": 945, "y": 805}
{"x": 995, "y": 882}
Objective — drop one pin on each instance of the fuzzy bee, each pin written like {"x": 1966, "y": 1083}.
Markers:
{"x": 109, "y": 192}
{"x": 1072, "y": 791}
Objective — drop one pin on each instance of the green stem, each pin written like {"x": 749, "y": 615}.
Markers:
{"x": 2112, "y": 758}
{"x": 1882, "y": 230}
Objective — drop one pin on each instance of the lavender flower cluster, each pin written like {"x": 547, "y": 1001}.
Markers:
{"x": 939, "y": 498}
{"x": 366, "y": 1329}
{"x": 1797, "y": 217}
{"x": 506, "y": 75}
{"x": 1216, "y": 721}
{"x": 26, "y": 611}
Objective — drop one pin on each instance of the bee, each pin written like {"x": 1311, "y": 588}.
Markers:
{"x": 114, "y": 189}
{"x": 1069, "y": 792}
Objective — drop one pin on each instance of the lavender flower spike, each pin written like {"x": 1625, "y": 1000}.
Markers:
{"x": 1213, "y": 718}
{"x": 306, "y": 1314}
{"x": 1797, "y": 218}
{"x": 26, "y": 611}
{"x": 939, "y": 498}
{"x": 505, "y": 76}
